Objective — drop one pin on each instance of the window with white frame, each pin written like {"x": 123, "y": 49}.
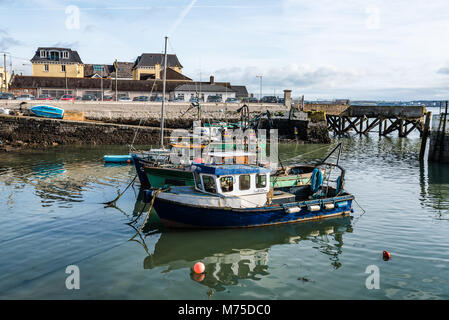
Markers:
{"x": 63, "y": 68}
{"x": 46, "y": 67}
{"x": 43, "y": 54}
{"x": 65, "y": 54}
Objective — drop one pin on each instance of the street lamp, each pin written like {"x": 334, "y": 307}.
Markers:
{"x": 260, "y": 95}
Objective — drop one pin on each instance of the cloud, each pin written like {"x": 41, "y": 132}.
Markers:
{"x": 290, "y": 76}
{"x": 443, "y": 71}
{"x": 66, "y": 44}
{"x": 6, "y": 41}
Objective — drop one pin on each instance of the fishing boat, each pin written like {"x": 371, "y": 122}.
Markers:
{"x": 236, "y": 196}
{"x": 47, "y": 111}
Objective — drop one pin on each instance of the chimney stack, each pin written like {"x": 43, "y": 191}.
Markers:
{"x": 212, "y": 80}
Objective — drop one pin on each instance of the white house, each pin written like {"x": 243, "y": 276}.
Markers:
{"x": 186, "y": 92}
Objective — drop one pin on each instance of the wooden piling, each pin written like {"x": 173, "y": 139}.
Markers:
{"x": 425, "y": 135}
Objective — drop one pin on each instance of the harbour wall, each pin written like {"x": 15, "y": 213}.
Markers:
{"x": 26, "y": 131}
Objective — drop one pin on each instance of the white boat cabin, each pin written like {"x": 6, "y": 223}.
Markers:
{"x": 223, "y": 186}
{"x": 231, "y": 180}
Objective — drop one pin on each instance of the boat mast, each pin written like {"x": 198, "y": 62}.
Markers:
{"x": 163, "y": 93}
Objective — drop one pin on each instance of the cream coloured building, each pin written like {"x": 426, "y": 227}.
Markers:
{"x": 150, "y": 65}
{"x": 57, "y": 62}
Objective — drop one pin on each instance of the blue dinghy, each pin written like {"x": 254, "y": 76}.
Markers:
{"x": 47, "y": 111}
{"x": 118, "y": 158}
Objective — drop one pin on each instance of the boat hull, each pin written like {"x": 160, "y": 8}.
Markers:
{"x": 178, "y": 215}
{"x": 47, "y": 111}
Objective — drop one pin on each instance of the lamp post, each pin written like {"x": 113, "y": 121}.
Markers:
{"x": 260, "y": 95}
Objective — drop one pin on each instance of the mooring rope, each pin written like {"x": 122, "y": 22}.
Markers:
{"x": 155, "y": 194}
{"x": 112, "y": 203}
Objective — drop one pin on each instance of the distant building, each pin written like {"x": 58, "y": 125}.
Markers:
{"x": 4, "y": 85}
{"x": 57, "y": 62}
{"x": 150, "y": 65}
{"x": 201, "y": 90}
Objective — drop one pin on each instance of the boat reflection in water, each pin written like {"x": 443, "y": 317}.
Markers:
{"x": 234, "y": 254}
{"x": 434, "y": 181}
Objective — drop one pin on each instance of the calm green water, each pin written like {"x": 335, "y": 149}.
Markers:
{"x": 51, "y": 217}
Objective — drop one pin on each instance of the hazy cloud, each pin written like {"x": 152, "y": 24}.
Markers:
{"x": 443, "y": 71}
{"x": 6, "y": 41}
{"x": 66, "y": 44}
{"x": 290, "y": 76}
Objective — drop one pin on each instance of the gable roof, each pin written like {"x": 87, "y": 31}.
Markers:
{"x": 73, "y": 55}
{"x": 240, "y": 91}
{"x": 151, "y": 59}
{"x": 173, "y": 75}
{"x": 90, "y": 70}
{"x": 125, "y": 70}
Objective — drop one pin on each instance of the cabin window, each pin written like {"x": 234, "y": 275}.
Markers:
{"x": 209, "y": 184}
{"x": 227, "y": 184}
{"x": 261, "y": 181}
{"x": 197, "y": 181}
{"x": 244, "y": 182}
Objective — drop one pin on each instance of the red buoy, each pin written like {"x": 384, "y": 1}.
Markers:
{"x": 128, "y": 161}
{"x": 199, "y": 267}
{"x": 386, "y": 255}
{"x": 198, "y": 277}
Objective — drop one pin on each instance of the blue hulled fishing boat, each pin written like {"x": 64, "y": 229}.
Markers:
{"x": 235, "y": 196}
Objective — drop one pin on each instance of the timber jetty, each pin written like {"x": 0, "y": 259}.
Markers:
{"x": 342, "y": 119}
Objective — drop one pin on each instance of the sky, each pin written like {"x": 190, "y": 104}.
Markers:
{"x": 323, "y": 49}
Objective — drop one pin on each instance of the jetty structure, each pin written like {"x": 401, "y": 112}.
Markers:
{"x": 343, "y": 118}
{"x": 439, "y": 136}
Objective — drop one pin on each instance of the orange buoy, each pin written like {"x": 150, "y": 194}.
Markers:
{"x": 128, "y": 161}
{"x": 386, "y": 255}
{"x": 199, "y": 267}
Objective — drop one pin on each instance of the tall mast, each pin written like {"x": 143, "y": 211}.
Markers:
{"x": 163, "y": 93}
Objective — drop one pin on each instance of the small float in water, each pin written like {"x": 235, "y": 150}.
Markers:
{"x": 47, "y": 111}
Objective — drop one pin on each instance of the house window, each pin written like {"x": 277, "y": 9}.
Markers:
{"x": 209, "y": 184}
{"x": 244, "y": 182}
{"x": 43, "y": 54}
{"x": 63, "y": 68}
{"x": 261, "y": 181}
{"x": 46, "y": 67}
{"x": 227, "y": 184}
{"x": 65, "y": 54}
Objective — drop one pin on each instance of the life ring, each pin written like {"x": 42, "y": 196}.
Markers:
{"x": 316, "y": 181}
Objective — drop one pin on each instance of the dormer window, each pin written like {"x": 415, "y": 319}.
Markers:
{"x": 65, "y": 54}
{"x": 43, "y": 54}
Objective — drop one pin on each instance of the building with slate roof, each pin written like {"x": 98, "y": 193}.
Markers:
{"x": 150, "y": 65}
{"x": 57, "y": 62}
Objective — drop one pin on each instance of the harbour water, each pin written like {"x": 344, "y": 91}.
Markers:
{"x": 52, "y": 216}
